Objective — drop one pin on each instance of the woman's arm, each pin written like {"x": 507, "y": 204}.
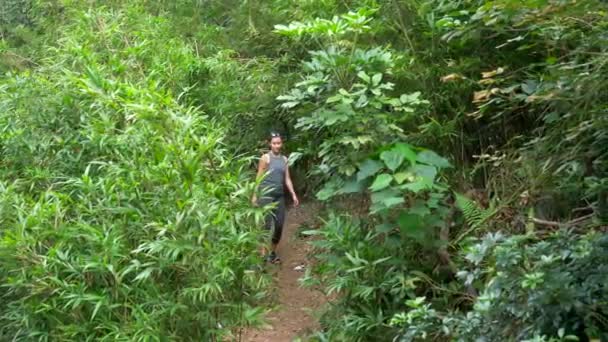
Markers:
{"x": 262, "y": 166}
{"x": 289, "y": 185}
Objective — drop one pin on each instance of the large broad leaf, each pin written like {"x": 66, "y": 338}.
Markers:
{"x": 325, "y": 193}
{"x": 407, "y": 151}
{"x": 392, "y": 159}
{"x": 381, "y": 182}
{"x": 427, "y": 172}
{"x": 383, "y": 228}
{"x": 330, "y": 189}
{"x": 393, "y": 201}
{"x": 413, "y": 98}
{"x": 290, "y": 104}
{"x": 431, "y": 158}
{"x": 381, "y": 196}
{"x": 412, "y": 225}
{"x": 376, "y": 79}
{"x": 417, "y": 186}
{"x": 351, "y": 186}
{"x": 293, "y": 157}
{"x": 331, "y": 117}
{"x": 389, "y": 197}
{"x": 419, "y": 208}
{"x": 365, "y": 77}
{"x": 385, "y": 199}
{"x": 368, "y": 168}
{"x": 400, "y": 177}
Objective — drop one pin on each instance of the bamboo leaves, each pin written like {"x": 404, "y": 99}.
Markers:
{"x": 141, "y": 216}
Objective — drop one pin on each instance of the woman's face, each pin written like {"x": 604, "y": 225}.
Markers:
{"x": 275, "y": 144}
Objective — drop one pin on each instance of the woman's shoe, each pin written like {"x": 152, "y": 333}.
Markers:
{"x": 273, "y": 258}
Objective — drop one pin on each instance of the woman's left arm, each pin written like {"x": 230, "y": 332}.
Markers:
{"x": 289, "y": 185}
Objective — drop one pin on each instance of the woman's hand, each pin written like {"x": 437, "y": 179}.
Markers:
{"x": 296, "y": 202}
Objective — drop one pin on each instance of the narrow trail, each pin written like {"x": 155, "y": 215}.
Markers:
{"x": 294, "y": 315}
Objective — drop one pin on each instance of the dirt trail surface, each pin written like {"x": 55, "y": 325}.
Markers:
{"x": 294, "y": 315}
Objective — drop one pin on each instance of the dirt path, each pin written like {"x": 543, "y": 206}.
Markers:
{"x": 293, "y": 317}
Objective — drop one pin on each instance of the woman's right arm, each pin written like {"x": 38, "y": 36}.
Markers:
{"x": 262, "y": 165}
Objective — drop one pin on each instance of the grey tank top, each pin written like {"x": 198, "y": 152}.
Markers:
{"x": 275, "y": 174}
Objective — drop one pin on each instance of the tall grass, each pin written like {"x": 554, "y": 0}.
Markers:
{"x": 123, "y": 216}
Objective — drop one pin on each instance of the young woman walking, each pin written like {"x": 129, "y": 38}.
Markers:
{"x": 273, "y": 166}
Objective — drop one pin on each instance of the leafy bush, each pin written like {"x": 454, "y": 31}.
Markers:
{"x": 354, "y": 137}
{"x": 375, "y": 264}
{"x": 531, "y": 290}
{"x": 344, "y": 104}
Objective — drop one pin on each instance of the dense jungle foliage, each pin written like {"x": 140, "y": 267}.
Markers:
{"x": 460, "y": 148}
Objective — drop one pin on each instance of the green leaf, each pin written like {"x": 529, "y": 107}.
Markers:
{"x": 365, "y": 77}
{"x": 416, "y": 187}
{"x": 329, "y": 190}
{"x": 384, "y": 195}
{"x": 431, "y": 158}
{"x": 415, "y": 303}
{"x": 393, "y": 102}
{"x": 427, "y": 172}
{"x": 407, "y": 151}
{"x": 392, "y": 159}
{"x": 355, "y": 269}
{"x": 411, "y": 225}
{"x": 145, "y": 274}
{"x": 286, "y": 98}
{"x": 381, "y": 182}
{"x": 385, "y": 199}
{"x": 383, "y": 228}
{"x": 293, "y": 157}
{"x": 376, "y": 79}
{"x": 325, "y": 194}
{"x": 351, "y": 187}
{"x": 412, "y": 98}
{"x": 393, "y": 201}
{"x": 529, "y": 86}
{"x": 420, "y": 208}
{"x": 97, "y": 307}
{"x": 381, "y": 260}
{"x": 334, "y": 98}
{"x": 312, "y": 232}
{"x": 368, "y": 168}
{"x": 290, "y": 104}
{"x": 400, "y": 177}
{"x": 362, "y": 101}
{"x": 333, "y": 117}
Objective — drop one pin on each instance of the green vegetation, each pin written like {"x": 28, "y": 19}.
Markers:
{"x": 471, "y": 137}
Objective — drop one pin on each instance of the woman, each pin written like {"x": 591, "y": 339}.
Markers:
{"x": 274, "y": 167}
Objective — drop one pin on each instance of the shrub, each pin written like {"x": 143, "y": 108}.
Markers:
{"x": 530, "y": 289}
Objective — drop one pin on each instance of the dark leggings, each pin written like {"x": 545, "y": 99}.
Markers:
{"x": 276, "y": 216}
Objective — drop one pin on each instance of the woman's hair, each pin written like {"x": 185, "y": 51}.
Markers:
{"x": 275, "y": 135}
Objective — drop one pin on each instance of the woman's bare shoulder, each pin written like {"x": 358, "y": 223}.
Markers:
{"x": 265, "y": 158}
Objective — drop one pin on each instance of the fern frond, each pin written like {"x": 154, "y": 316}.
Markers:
{"x": 473, "y": 214}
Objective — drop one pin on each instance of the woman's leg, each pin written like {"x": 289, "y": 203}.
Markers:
{"x": 279, "y": 221}
{"x": 268, "y": 221}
